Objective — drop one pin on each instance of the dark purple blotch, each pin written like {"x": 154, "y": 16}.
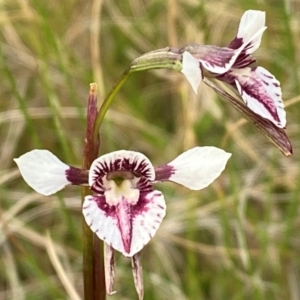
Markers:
{"x": 164, "y": 172}
{"x": 77, "y": 176}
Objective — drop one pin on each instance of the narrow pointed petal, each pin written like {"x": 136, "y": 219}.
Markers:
{"x": 137, "y": 272}
{"x": 127, "y": 228}
{"x": 195, "y": 168}
{"x": 43, "y": 171}
{"x": 251, "y": 28}
{"x": 262, "y": 93}
{"x": 191, "y": 70}
{"x": 109, "y": 266}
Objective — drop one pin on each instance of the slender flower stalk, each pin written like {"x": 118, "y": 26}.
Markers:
{"x": 107, "y": 101}
{"x": 158, "y": 59}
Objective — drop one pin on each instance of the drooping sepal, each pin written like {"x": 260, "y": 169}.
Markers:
{"x": 275, "y": 134}
{"x": 191, "y": 70}
{"x": 109, "y": 267}
{"x": 137, "y": 272}
{"x": 262, "y": 93}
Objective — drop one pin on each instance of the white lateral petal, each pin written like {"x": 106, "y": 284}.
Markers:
{"x": 145, "y": 216}
{"x": 191, "y": 70}
{"x": 262, "y": 93}
{"x": 198, "y": 167}
{"x": 252, "y": 24}
{"x": 43, "y": 171}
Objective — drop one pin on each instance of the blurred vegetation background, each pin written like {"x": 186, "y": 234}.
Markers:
{"x": 238, "y": 238}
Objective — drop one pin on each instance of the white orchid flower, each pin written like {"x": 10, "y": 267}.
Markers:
{"x": 125, "y": 210}
{"x": 259, "y": 89}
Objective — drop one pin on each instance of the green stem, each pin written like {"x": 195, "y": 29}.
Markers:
{"x": 159, "y": 59}
{"x": 107, "y": 101}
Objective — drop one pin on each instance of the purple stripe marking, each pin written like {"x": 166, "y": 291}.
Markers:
{"x": 255, "y": 89}
{"x": 139, "y": 169}
{"x": 164, "y": 172}
{"x": 125, "y": 214}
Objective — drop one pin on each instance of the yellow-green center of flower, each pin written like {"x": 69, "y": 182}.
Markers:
{"x": 120, "y": 190}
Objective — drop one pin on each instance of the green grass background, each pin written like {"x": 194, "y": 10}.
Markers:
{"x": 237, "y": 239}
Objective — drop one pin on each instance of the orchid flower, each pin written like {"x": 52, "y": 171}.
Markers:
{"x": 124, "y": 210}
{"x": 259, "y": 89}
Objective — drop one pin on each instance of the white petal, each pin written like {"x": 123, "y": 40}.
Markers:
{"x": 191, "y": 70}
{"x": 252, "y": 26}
{"x": 121, "y": 160}
{"x": 148, "y": 221}
{"x": 262, "y": 93}
{"x": 43, "y": 171}
{"x": 198, "y": 167}
{"x": 145, "y": 217}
